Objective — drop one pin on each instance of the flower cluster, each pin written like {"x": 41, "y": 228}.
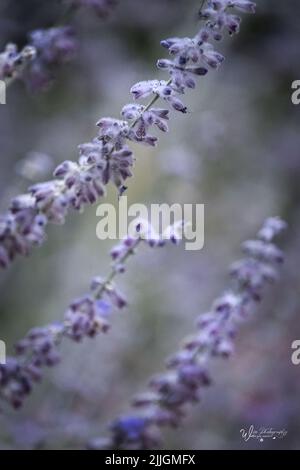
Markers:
{"x": 86, "y": 316}
{"x": 12, "y": 61}
{"x": 107, "y": 157}
{"x": 54, "y": 46}
{"x": 46, "y": 50}
{"x": 159, "y": 88}
{"x": 171, "y": 392}
{"x": 219, "y": 17}
{"x": 192, "y": 57}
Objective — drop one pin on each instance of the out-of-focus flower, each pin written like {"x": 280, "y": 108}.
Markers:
{"x": 171, "y": 392}
{"x": 86, "y": 316}
{"x": 47, "y": 49}
{"x": 54, "y": 47}
{"x": 13, "y": 62}
{"x": 34, "y": 166}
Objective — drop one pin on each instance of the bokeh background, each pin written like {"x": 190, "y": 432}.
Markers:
{"x": 237, "y": 151}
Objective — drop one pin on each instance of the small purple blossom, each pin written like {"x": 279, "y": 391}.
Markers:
{"x": 54, "y": 47}
{"x": 12, "y": 61}
{"x": 159, "y": 88}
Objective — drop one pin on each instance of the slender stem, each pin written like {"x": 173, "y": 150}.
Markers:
{"x": 148, "y": 106}
{"x": 202, "y": 5}
{"x": 114, "y": 271}
{"x": 58, "y": 334}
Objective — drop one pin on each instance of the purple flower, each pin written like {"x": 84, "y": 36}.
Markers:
{"x": 12, "y": 62}
{"x": 54, "y": 47}
{"x": 130, "y": 427}
{"x": 187, "y": 370}
{"x": 108, "y": 158}
{"x": 86, "y": 316}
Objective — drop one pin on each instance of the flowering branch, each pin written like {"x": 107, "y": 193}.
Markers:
{"x": 47, "y": 49}
{"x": 170, "y": 393}
{"x": 86, "y": 316}
{"x": 107, "y": 157}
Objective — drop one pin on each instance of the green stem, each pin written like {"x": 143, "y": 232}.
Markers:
{"x": 114, "y": 271}
{"x": 148, "y": 106}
